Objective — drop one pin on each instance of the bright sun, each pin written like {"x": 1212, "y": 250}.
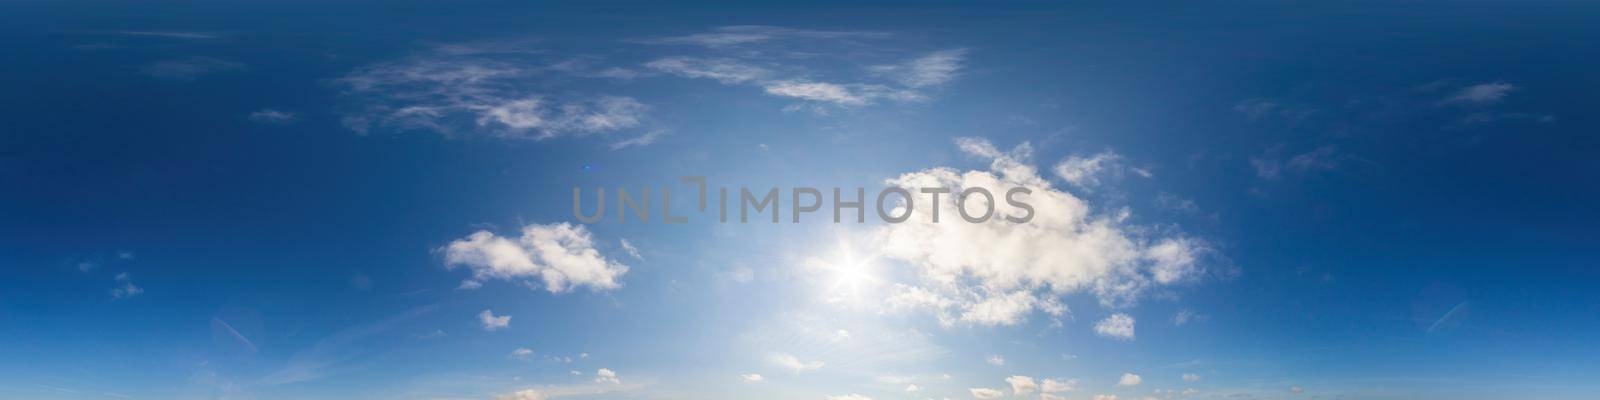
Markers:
{"x": 848, "y": 276}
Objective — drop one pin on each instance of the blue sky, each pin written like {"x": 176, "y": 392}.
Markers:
{"x": 373, "y": 200}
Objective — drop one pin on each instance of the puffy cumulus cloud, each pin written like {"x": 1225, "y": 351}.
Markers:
{"x": 493, "y": 322}
{"x": 792, "y": 363}
{"x": 1022, "y": 385}
{"x": 997, "y": 272}
{"x": 1105, "y": 397}
{"x": 995, "y": 360}
{"x": 848, "y": 397}
{"x": 562, "y": 255}
{"x": 1057, "y": 386}
{"x": 1129, "y": 379}
{"x": 487, "y": 89}
{"x": 525, "y": 394}
{"x": 606, "y": 376}
{"x": 986, "y": 393}
{"x": 751, "y": 378}
{"x": 1117, "y": 326}
{"x": 913, "y": 388}
{"x": 1483, "y": 93}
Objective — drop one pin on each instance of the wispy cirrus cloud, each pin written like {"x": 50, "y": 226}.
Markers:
{"x": 189, "y": 68}
{"x": 496, "y": 89}
{"x": 820, "y": 69}
{"x": 741, "y": 35}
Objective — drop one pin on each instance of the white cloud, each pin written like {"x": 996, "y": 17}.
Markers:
{"x": 815, "y": 91}
{"x": 479, "y": 89}
{"x": 731, "y": 36}
{"x": 998, "y": 271}
{"x": 606, "y": 376}
{"x": 525, "y": 394}
{"x": 795, "y": 80}
{"x": 1191, "y": 377}
{"x": 646, "y": 139}
{"x": 913, "y": 388}
{"x": 848, "y": 397}
{"x": 1105, "y": 397}
{"x": 792, "y": 363}
{"x": 723, "y": 70}
{"x": 125, "y": 287}
{"x": 1483, "y": 93}
{"x": 189, "y": 68}
{"x": 1085, "y": 172}
{"x": 1056, "y": 386}
{"x": 1324, "y": 158}
{"x": 1022, "y": 385}
{"x": 986, "y": 393}
{"x": 1128, "y": 380}
{"x": 536, "y": 114}
{"x": 493, "y": 322}
{"x": 1296, "y": 389}
{"x": 627, "y": 247}
{"x": 170, "y": 34}
{"x": 271, "y": 116}
{"x": 751, "y": 378}
{"x": 521, "y": 352}
{"x": 1117, "y": 326}
{"x": 562, "y": 255}
{"x": 995, "y": 360}
{"x": 934, "y": 69}
{"x": 1182, "y": 317}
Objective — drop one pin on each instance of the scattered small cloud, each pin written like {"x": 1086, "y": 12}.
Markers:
{"x": 986, "y": 393}
{"x": 848, "y": 397}
{"x": 1022, "y": 385}
{"x": 606, "y": 376}
{"x": 1129, "y": 380}
{"x": 1191, "y": 377}
{"x": 125, "y": 287}
{"x": 562, "y": 255}
{"x": 493, "y": 322}
{"x": 520, "y": 352}
{"x": 525, "y": 394}
{"x": 794, "y": 364}
{"x": 995, "y": 360}
{"x": 1117, "y": 326}
{"x": 274, "y": 117}
{"x": 1058, "y": 385}
{"x": 751, "y": 378}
